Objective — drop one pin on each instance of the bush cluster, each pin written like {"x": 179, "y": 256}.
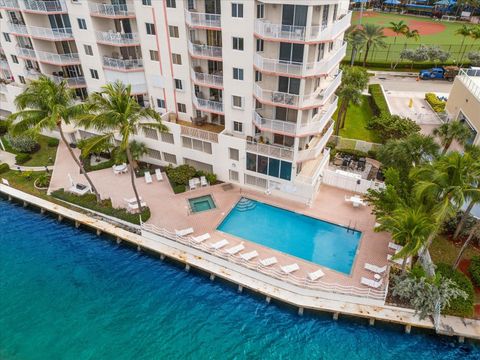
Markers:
{"x": 22, "y": 143}
{"x": 52, "y": 142}
{"x": 4, "y": 168}
{"x": 3, "y": 129}
{"x": 392, "y": 126}
{"x": 458, "y": 306}
{"x": 180, "y": 175}
{"x": 22, "y": 158}
{"x": 43, "y": 180}
{"x": 436, "y": 104}
{"x": 474, "y": 270}
{"x": 378, "y": 102}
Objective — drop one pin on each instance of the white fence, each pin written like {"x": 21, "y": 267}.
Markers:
{"x": 353, "y": 144}
{"x": 350, "y": 183}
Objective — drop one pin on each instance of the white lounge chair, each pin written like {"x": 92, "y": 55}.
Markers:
{"x": 376, "y": 269}
{"x": 316, "y": 275}
{"x": 134, "y": 205}
{"x": 203, "y": 181}
{"x": 219, "y": 244}
{"x": 235, "y": 249}
{"x": 372, "y": 283}
{"x": 249, "y": 255}
{"x": 5, "y": 182}
{"x": 184, "y": 232}
{"x": 201, "y": 238}
{"x": 158, "y": 175}
{"x": 394, "y": 246}
{"x": 355, "y": 200}
{"x": 287, "y": 269}
{"x": 132, "y": 200}
{"x": 148, "y": 177}
{"x": 269, "y": 261}
{"x": 398, "y": 261}
{"x": 192, "y": 184}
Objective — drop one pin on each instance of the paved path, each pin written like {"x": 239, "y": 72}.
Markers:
{"x": 9, "y": 158}
{"x": 396, "y": 82}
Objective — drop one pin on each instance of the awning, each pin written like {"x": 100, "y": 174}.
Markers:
{"x": 392, "y": 2}
{"x": 418, "y": 6}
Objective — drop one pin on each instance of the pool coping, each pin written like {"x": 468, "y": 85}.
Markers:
{"x": 190, "y": 210}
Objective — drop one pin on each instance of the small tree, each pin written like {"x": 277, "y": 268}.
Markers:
{"x": 454, "y": 130}
{"x": 420, "y": 54}
{"x": 474, "y": 58}
{"x": 393, "y": 126}
{"x": 435, "y": 54}
{"x": 372, "y": 38}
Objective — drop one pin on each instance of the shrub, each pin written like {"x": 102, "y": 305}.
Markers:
{"x": 181, "y": 174}
{"x": 392, "y": 126}
{"x": 458, "y": 306}
{"x": 4, "y": 168}
{"x": 22, "y": 143}
{"x": 104, "y": 165}
{"x": 52, "y": 142}
{"x": 27, "y": 174}
{"x": 43, "y": 180}
{"x": 436, "y": 104}
{"x": 3, "y": 129}
{"x": 22, "y": 158}
{"x": 377, "y": 100}
{"x": 179, "y": 188}
{"x": 474, "y": 270}
{"x": 355, "y": 153}
{"x": 211, "y": 178}
{"x": 450, "y": 225}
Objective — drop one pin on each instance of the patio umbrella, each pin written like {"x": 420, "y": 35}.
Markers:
{"x": 391, "y": 2}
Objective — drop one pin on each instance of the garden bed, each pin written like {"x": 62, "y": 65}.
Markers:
{"x": 44, "y": 156}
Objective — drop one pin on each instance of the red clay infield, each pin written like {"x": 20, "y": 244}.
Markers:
{"x": 423, "y": 27}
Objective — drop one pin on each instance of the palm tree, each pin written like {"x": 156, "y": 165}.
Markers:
{"x": 138, "y": 149}
{"x": 115, "y": 111}
{"x": 454, "y": 130}
{"x": 475, "y": 230}
{"x": 475, "y": 33}
{"x": 372, "y": 37}
{"x": 46, "y": 105}
{"x": 465, "y": 31}
{"x": 411, "y": 34}
{"x": 355, "y": 41}
{"x": 398, "y": 28}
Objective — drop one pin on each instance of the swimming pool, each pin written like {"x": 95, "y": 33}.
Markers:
{"x": 318, "y": 241}
{"x": 201, "y": 203}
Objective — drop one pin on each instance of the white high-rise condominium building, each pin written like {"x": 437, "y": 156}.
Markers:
{"x": 247, "y": 86}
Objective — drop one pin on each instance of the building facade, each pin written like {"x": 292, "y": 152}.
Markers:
{"x": 247, "y": 87}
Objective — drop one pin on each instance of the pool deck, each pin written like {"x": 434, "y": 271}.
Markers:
{"x": 450, "y": 325}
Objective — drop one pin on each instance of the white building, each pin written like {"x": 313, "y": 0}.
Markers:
{"x": 259, "y": 75}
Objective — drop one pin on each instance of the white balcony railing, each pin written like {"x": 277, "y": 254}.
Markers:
{"x": 107, "y": 10}
{"x": 59, "y": 34}
{"x": 44, "y": 6}
{"x": 18, "y": 29}
{"x": 281, "y": 152}
{"x": 319, "y": 121}
{"x": 58, "y": 59}
{"x": 332, "y": 31}
{"x": 313, "y": 169}
{"x": 276, "y": 126}
{"x": 202, "y": 19}
{"x": 207, "y": 105}
{"x": 4, "y": 64}
{"x": 27, "y": 53}
{"x": 276, "y": 97}
{"x": 9, "y": 4}
{"x": 321, "y": 96}
{"x": 205, "y": 50}
{"x": 123, "y": 65}
{"x": 206, "y": 79}
{"x": 471, "y": 79}
{"x": 117, "y": 38}
{"x": 316, "y": 145}
{"x": 78, "y": 81}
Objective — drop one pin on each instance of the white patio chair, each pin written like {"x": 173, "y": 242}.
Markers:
{"x": 191, "y": 184}
{"x": 249, "y": 255}
{"x": 5, "y": 182}
{"x": 203, "y": 181}
{"x": 201, "y": 238}
{"x": 398, "y": 261}
{"x": 148, "y": 177}
{"x": 287, "y": 269}
{"x": 371, "y": 283}
{"x": 158, "y": 175}
{"x": 219, "y": 244}
{"x": 269, "y": 261}
{"x": 235, "y": 249}
{"x": 376, "y": 269}
{"x": 316, "y": 275}
{"x": 184, "y": 232}
{"x": 394, "y": 246}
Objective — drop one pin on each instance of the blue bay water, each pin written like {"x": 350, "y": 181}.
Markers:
{"x": 302, "y": 236}
{"x": 68, "y": 294}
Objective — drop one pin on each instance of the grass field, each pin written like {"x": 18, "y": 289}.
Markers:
{"x": 39, "y": 158}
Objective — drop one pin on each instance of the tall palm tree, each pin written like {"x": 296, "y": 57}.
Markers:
{"x": 372, "y": 37}
{"x": 475, "y": 230}
{"x": 454, "y": 130}
{"x": 355, "y": 40}
{"x": 115, "y": 111}
{"x": 398, "y": 28}
{"x": 465, "y": 31}
{"x": 411, "y": 34}
{"x": 46, "y": 105}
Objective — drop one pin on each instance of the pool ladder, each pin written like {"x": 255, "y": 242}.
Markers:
{"x": 245, "y": 205}
{"x": 349, "y": 228}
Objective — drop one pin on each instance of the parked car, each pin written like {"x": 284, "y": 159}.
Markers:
{"x": 443, "y": 72}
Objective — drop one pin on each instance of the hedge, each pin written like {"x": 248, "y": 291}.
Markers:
{"x": 474, "y": 269}
{"x": 103, "y": 165}
{"x": 377, "y": 100}
{"x": 436, "y": 104}
{"x": 22, "y": 158}
{"x": 52, "y": 142}
{"x": 405, "y": 65}
{"x": 458, "y": 306}
{"x": 4, "y": 168}
{"x": 89, "y": 201}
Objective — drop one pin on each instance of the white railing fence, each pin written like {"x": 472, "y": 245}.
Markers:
{"x": 353, "y": 144}
{"x": 341, "y": 181}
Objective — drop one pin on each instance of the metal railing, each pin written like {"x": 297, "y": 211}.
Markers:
{"x": 318, "y": 122}
{"x": 207, "y": 105}
{"x": 4, "y": 64}
{"x": 274, "y": 125}
{"x": 319, "y": 167}
{"x": 118, "y": 10}
{"x": 280, "y": 152}
{"x": 42, "y": 32}
{"x": 9, "y": 4}
{"x": 117, "y": 38}
{"x": 44, "y": 6}
{"x": 272, "y": 271}
{"x": 205, "y": 50}
{"x": 202, "y": 19}
{"x": 208, "y": 79}
{"x": 276, "y": 97}
{"x": 28, "y": 53}
{"x": 330, "y": 32}
{"x": 466, "y": 77}
{"x": 78, "y": 81}
{"x": 122, "y": 65}
{"x": 60, "y": 59}
{"x": 316, "y": 145}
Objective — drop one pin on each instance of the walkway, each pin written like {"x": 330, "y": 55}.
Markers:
{"x": 9, "y": 158}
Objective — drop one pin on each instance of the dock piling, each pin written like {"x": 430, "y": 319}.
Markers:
{"x": 268, "y": 299}
{"x": 371, "y": 321}
{"x": 212, "y": 277}
{"x": 300, "y": 311}
{"x": 240, "y": 288}
{"x": 187, "y": 267}
{"x": 408, "y": 328}
{"x": 335, "y": 316}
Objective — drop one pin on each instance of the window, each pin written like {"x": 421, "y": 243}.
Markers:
{"x": 171, "y": 158}
{"x": 335, "y": 12}
{"x": 269, "y": 166}
{"x": 234, "y": 154}
{"x": 294, "y": 15}
{"x": 289, "y": 85}
{"x": 238, "y": 126}
{"x": 150, "y": 28}
{"x": 94, "y": 73}
{"x": 167, "y": 137}
{"x": 22, "y": 79}
{"x": 173, "y": 31}
{"x": 330, "y": 46}
{"x": 153, "y": 55}
{"x": 237, "y": 10}
{"x": 237, "y": 43}
{"x": 161, "y": 103}
{"x": 237, "y": 101}
{"x": 325, "y": 15}
{"x": 233, "y": 175}
{"x": 154, "y": 154}
{"x": 150, "y": 133}
{"x": 191, "y": 5}
{"x": 258, "y": 76}
{"x": 7, "y": 37}
{"x": 82, "y": 24}
{"x": 14, "y": 59}
{"x": 260, "y": 11}
{"x": 238, "y": 74}
{"x": 177, "y": 59}
{"x": 260, "y": 44}
{"x": 178, "y": 84}
{"x": 291, "y": 52}
{"x": 321, "y": 51}
{"x": 88, "y": 50}
{"x": 203, "y": 146}
{"x": 181, "y": 108}
{"x": 147, "y": 2}
{"x": 171, "y": 3}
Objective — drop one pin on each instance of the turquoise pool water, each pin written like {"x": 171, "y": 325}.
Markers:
{"x": 201, "y": 203}
{"x": 302, "y": 236}
{"x": 66, "y": 294}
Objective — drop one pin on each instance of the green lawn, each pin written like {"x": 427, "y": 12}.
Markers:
{"x": 41, "y": 157}
{"x": 443, "y": 250}
{"x": 356, "y": 121}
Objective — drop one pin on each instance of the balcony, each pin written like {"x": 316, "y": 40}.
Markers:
{"x": 123, "y": 65}
{"x": 276, "y": 97}
{"x": 111, "y": 11}
{"x": 275, "y": 126}
{"x": 58, "y": 59}
{"x": 209, "y": 80}
{"x": 207, "y": 105}
{"x": 9, "y": 5}
{"x": 58, "y": 34}
{"x": 203, "y": 20}
{"x": 316, "y": 145}
{"x": 320, "y": 97}
{"x": 276, "y": 66}
{"x": 205, "y": 51}
{"x": 47, "y": 7}
{"x": 471, "y": 79}
{"x": 331, "y": 32}
{"x": 281, "y": 152}
{"x": 208, "y": 131}
{"x": 26, "y": 53}
{"x": 312, "y": 169}
{"x": 4, "y": 64}
{"x": 319, "y": 121}
{"x": 117, "y": 39}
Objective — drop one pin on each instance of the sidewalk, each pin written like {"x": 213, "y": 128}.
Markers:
{"x": 9, "y": 158}
{"x": 394, "y": 73}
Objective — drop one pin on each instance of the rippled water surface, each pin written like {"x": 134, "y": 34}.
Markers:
{"x": 68, "y": 294}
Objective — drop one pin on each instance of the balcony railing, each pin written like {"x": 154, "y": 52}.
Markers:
{"x": 316, "y": 145}
{"x": 321, "y": 33}
{"x": 276, "y": 97}
{"x": 9, "y": 4}
{"x": 117, "y": 38}
{"x": 4, "y": 64}
{"x": 319, "y": 97}
{"x": 18, "y": 29}
{"x": 207, "y": 79}
{"x": 58, "y": 34}
{"x": 205, "y": 50}
{"x": 58, "y": 59}
{"x": 276, "y": 126}
{"x": 471, "y": 79}
{"x": 280, "y": 152}
{"x": 202, "y": 19}
{"x": 318, "y": 122}
{"x": 44, "y": 6}
{"x": 207, "y": 105}
{"x": 107, "y": 10}
{"x": 71, "y": 81}
{"x": 313, "y": 168}
{"x": 123, "y": 65}
{"x": 27, "y": 53}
